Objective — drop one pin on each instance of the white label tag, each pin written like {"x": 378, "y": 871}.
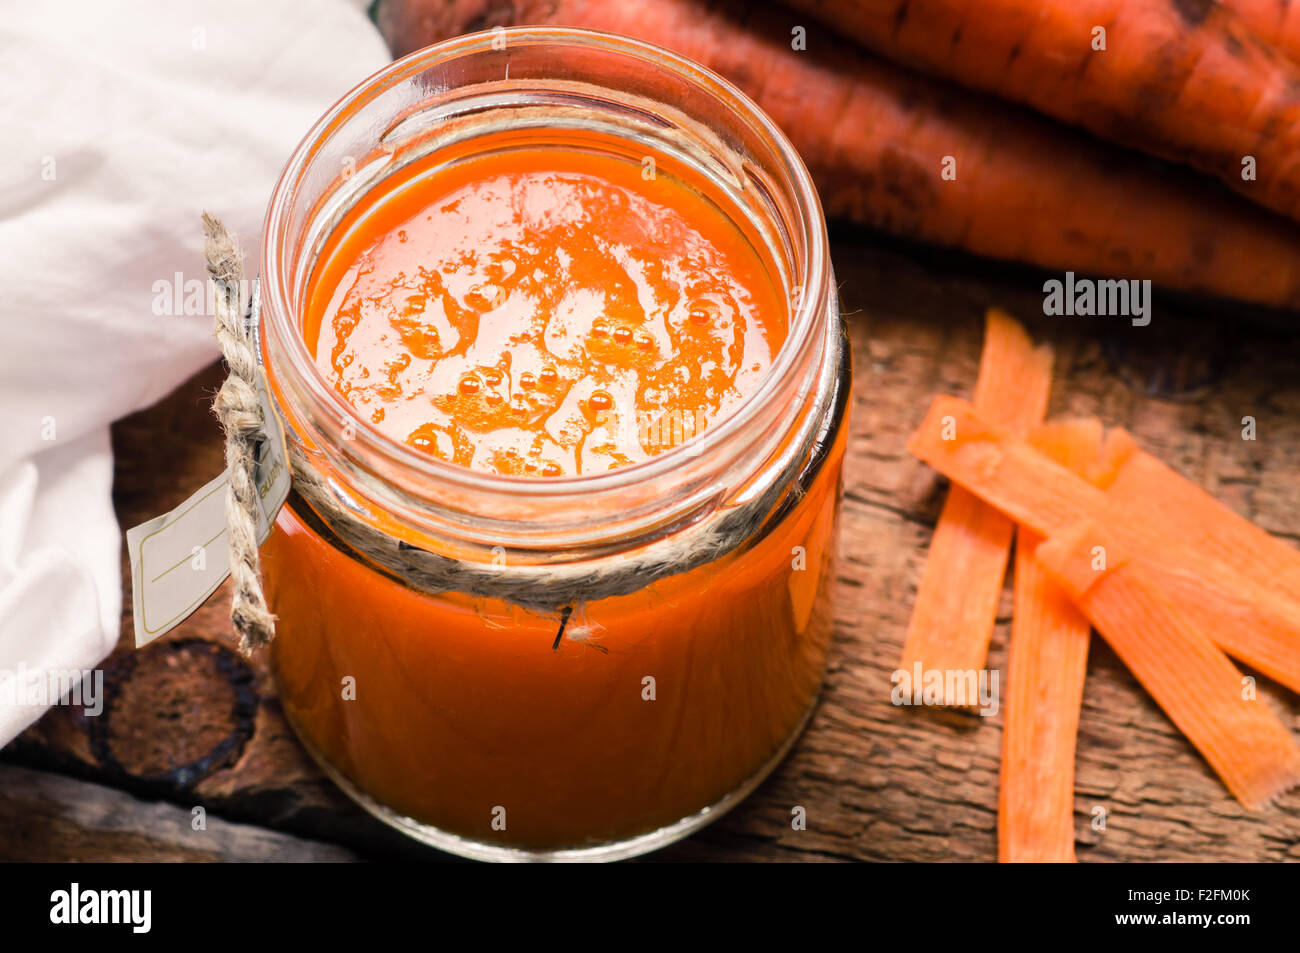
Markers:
{"x": 180, "y": 558}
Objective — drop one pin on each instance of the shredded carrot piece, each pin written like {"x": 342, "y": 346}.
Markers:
{"x": 1002, "y": 469}
{"x": 957, "y": 598}
{"x": 1046, "y": 669}
{"x": 1251, "y": 624}
{"x": 1189, "y": 677}
{"x": 1076, "y": 443}
{"x": 1244, "y": 614}
{"x": 1260, "y": 629}
{"x": 1198, "y": 521}
{"x": 1014, "y": 376}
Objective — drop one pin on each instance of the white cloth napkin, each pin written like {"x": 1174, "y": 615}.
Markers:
{"x": 119, "y": 124}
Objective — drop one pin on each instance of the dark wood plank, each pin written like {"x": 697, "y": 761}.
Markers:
{"x": 50, "y": 818}
{"x": 193, "y": 723}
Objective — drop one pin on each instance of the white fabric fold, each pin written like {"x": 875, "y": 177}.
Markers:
{"x": 119, "y": 124}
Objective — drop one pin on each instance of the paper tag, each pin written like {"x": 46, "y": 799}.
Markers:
{"x": 180, "y": 558}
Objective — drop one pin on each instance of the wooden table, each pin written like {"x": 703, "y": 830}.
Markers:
{"x": 190, "y": 724}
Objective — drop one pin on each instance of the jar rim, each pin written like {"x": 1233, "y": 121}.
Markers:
{"x": 812, "y": 276}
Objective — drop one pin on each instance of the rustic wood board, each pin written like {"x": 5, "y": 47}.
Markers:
{"x": 190, "y": 723}
{"x": 55, "y": 818}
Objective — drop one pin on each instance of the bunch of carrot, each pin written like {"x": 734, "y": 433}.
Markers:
{"x": 871, "y": 93}
{"x": 1106, "y": 537}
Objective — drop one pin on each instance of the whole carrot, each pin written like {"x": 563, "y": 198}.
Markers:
{"x": 920, "y": 159}
{"x": 1181, "y": 79}
{"x": 1276, "y": 22}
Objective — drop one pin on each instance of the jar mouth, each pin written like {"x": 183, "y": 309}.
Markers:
{"x": 810, "y": 273}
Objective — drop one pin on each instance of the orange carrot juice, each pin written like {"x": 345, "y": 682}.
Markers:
{"x": 542, "y": 311}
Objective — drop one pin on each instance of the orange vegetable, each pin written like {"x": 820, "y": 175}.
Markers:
{"x": 1245, "y": 614}
{"x": 1197, "y": 520}
{"x": 1002, "y": 469}
{"x": 1275, "y": 22}
{"x": 1189, "y": 677}
{"x": 878, "y": 141}
{"x": 957, "y": 598}
{"x": 1182, "y": 79}
{"x": 1048, "y": 661}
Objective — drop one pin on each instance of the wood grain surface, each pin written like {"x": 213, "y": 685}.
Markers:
{"x": 189, "y": 723}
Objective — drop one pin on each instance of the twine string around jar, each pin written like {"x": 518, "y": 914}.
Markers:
{"x": 560, "y": 589}
{"x": 236, "y": 406}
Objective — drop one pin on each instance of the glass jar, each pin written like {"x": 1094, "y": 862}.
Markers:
{"x": 579, "y": 667}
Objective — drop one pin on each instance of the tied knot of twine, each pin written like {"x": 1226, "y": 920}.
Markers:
{"x": 236, "y": 407}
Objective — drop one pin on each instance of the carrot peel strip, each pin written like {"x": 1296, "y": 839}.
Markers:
{"x": 1047, "y": 666}
{"x": 1184, "y": 671}
{"x": 957, "y": 597}
{"x": 1244, "y": 614}
{"x": 1015, "y": 377}
{"x": 1196, "y": 519}
{"x": 1002, "y": 470}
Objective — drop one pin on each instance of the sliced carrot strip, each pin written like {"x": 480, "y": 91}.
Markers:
{"x": 1002, "y": 469}
{"x": 1200, "y": 522}
{"x": 1259, "y": 629}
{"x": 1076, "y": 443}
{"x": 1189, "y": 677}
{"x": 957, "y": 598}
{"x": 1015, "y": 377}
{"x": 1044, "y": 693}
{"x": 1046, "y": 669}
{"x": 1242, "y": 613}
